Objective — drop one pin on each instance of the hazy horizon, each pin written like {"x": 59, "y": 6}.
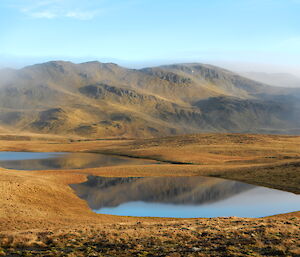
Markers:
{"x": 241, "y": 68}
{"x": 244, "y": 36}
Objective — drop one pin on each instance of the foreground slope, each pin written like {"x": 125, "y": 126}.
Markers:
{"x": 103, "y": 100}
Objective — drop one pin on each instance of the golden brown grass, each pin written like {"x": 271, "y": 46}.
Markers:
{"x": 40, "y": 214}
{"x": 197, "y": 237}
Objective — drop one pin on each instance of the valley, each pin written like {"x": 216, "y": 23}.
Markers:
{"x": 149, "y": 128}
{"x": 93, "y": 120}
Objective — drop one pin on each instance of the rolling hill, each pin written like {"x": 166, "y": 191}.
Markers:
{"x": 96, "y": 100}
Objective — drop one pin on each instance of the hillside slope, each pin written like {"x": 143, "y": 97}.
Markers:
{"x": 96, "y": 99}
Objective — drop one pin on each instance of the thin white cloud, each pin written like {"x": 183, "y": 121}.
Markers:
{"x": 81, "y": 15}
{"x": 45, "y": 14}
{"x": 50, "y": 9}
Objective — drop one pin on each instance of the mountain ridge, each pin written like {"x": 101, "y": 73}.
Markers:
{"x": 95, "y": 99}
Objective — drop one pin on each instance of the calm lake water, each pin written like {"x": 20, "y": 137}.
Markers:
{"x": 47, "y": 161}
{"x": 183, "y": 197}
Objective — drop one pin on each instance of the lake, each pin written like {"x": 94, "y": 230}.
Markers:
{"x": 183, "y": 197}
{"x": 56, "y": 161}
{"x": 178, "y": 197}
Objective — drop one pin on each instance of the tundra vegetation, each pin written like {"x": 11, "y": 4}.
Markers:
{"x": 40, "y": 215}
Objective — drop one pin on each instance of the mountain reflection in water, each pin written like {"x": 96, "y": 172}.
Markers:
{"x": 182, "y": 197}
{"x": 56, "y": 161}
{"x": 110, "y": 192}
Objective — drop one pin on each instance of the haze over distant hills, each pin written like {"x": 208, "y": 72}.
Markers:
{"x": 96, "y": 99}
{"x": 274, "y": 79}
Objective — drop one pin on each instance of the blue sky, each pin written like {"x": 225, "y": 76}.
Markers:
{"x": 241, "y": 31}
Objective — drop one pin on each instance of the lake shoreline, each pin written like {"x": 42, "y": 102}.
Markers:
{"x": 31, "y": 217}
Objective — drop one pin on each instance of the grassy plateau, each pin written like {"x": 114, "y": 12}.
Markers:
{"x": 40, "y": 215}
